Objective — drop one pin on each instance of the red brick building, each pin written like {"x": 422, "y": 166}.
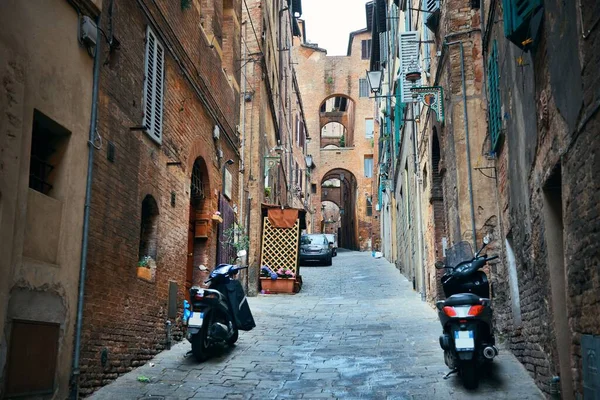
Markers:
{"x": 168, "y": 111}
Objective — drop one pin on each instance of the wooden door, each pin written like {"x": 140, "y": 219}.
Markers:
{"x": 189, "y": 277}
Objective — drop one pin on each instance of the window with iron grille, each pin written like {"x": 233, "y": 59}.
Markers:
{"x": 365, "y": 53}
{"x": 363, "y": 88}
{"x": 49, "y": 142}
{"x": 153, "y": 86}
{"x": 494, "y": 106}
{"x": 369, "y": 206}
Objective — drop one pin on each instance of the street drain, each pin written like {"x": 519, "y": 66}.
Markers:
{"x": 152, "y": 398}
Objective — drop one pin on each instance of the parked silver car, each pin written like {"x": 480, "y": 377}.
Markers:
{"x": 333, "y": 242}
{"x": 315, "y": 247}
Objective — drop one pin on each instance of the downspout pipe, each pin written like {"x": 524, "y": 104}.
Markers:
{"x": 466, "y": 122}
{"x": 75, "y": 374}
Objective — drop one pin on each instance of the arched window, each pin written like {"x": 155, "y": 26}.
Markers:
{"x": 149, "y": 230}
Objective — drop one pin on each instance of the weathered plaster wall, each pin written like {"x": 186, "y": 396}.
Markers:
{"x": 42, "y": 67}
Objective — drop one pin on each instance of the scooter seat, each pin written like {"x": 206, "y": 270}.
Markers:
{"x": 462, "y": 299}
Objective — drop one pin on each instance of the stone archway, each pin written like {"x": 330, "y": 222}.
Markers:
{"x": 200, "y": 226}
{"x": 339, "y": 186}
{"x": 338, "y": 109}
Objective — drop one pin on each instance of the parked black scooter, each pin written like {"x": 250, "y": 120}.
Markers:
{"x": 218, "y": 313}
{"x": 466, "y": 314}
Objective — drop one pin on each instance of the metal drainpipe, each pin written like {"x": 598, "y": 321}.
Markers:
{"x": 86, "y": 218}
{"x": 419, "y": 205}
{"x": 466, "y": 122}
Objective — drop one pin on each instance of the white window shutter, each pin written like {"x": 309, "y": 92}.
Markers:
{"x": 153, "y": 86}
{"x": 409, "y": 52}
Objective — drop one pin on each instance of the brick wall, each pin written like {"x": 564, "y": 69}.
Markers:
{"x": 124, "y": 316}
{"x": 320, "y": 77}
{"x": 534, "y": 100}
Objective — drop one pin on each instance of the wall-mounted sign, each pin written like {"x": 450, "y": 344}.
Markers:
{"x": 228, "y": 185}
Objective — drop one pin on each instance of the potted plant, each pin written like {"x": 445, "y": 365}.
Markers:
{"x": 267, "y": 191}
{"x": 280, "y": 281}
{"x": 144, "y": 268}
{"x": 217, "y": 217}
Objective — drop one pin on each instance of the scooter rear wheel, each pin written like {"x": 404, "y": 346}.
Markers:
{"x": 234, "y": 337}
{"x": 200, "y": 345}
{"x": 469, "y": 376}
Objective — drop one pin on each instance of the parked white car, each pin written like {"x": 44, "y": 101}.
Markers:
{"x": 333, "y": 242}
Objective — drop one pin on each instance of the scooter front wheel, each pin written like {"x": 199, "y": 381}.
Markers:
{"x": 201, "y": 345}
{"x": 469, "y": 376}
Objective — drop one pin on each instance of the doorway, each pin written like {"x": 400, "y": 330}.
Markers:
{"x": 199, "y": 225}
{"x": 554, "y": 235}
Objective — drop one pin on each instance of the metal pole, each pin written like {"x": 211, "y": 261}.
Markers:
{"x": 86, "y": 219}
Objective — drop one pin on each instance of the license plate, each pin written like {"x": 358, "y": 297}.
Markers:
{"x": 196, "y": 319}
{"x": 463, "y": 340}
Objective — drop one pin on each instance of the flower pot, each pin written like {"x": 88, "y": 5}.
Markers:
{"x": 277, "y": 285}
{"x": 144, "y": 273}
{"x": 217, "y": 218}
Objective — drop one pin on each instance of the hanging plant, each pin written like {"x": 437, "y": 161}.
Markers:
{"x": 185, "y": 4}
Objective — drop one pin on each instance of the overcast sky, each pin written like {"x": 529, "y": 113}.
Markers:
{"x": 329, "y": 22}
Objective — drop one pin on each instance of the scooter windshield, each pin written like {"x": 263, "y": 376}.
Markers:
{"x": 458, "y": 253}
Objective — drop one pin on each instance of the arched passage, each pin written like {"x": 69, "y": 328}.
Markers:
{"x": 336, "y": 113}
{"x": 437, "y": 201}
{"x": 333, "y": 135}
{"x": 200, "y": 227}
{"x": 338, "y": 197}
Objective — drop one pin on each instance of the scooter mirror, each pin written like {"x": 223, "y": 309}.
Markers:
{"x": 202, "y": 268}
{"x": 439, "y": 264}
{"x": 486, "y": 239}
{"x": 241, "y": 253}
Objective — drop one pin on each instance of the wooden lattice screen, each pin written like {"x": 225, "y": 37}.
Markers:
{"x": 280, "y": 246}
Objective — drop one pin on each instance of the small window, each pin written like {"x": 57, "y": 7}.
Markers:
{"x": 49, "y": 143}
{"x": 369, "y": 128}
{"x": 369, "y": 206}
{"x": 149, "y": 232}
{"x": 363, "y": 87}
{"x": 153, "y": 86}
{"x": 365, "y": 53}
{"x": 369, "y": 166}
{"x": 313, "y": 188}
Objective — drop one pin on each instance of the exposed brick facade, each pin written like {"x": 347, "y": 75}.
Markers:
{"x": 550, "y": 115}
{"x": 321, "y": 78}
{"x": 125, "y": 316}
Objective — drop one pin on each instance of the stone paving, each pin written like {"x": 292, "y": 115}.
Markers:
{"x": 357, "y": 330}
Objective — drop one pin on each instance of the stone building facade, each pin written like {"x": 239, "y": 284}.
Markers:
{"x": 273, "y": 125}
{"x": 168, "y": 110}
{"x": 45, "y": 110}
{"x": 545, "y": 115}
{"x": 343, "y": 136}
{"x": 524, "y": 81}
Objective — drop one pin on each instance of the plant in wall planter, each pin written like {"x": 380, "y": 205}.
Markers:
{"x": 217, "y": 217}
{"x": 267, "y": 191}
{"x": 145, "y": 268}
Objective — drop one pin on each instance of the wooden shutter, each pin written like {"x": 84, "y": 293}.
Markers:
{"x": 409, "y": 50}
{"x": 494, "y": 106}
{"x": 153, "y": 86}
{"x": 517, "y": 16}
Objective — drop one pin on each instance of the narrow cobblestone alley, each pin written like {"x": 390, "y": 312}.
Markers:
{"x": 357, "y": 330}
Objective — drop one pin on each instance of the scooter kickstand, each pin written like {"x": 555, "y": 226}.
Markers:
{"x": 454, "y": 371}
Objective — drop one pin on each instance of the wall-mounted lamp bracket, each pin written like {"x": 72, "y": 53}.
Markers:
{"x": 432, "y": 97}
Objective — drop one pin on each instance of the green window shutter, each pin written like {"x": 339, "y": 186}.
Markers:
{"x": 494, "y": 103}
{"x": 517, "y": 17}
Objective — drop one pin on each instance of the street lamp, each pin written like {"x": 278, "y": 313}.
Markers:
{"x": 309, "y": 161}
{"x": 375, "y": 78}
